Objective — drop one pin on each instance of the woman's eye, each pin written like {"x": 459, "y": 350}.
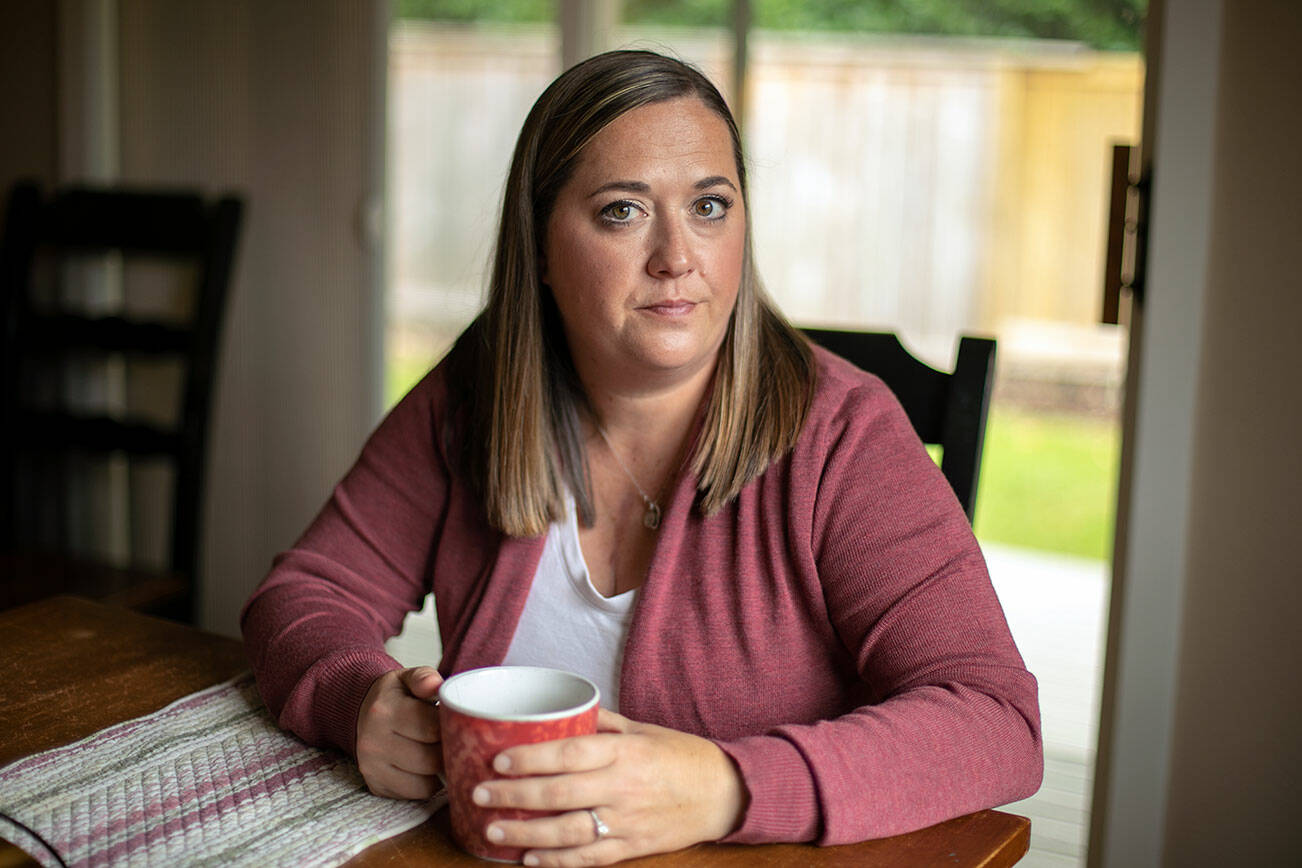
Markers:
{"x": 619, "y": 212}
{"x": 711, "y": 207}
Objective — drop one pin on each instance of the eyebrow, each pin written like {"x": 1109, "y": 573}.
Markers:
{"x": 714, "y": 181}
{"x": 642, "y": 187}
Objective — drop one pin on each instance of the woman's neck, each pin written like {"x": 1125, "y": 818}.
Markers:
{"x": 645, "y": 420}
{"x": 648, "y": 430}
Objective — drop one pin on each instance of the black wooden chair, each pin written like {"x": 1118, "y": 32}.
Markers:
{"x": 946, "y": 409}
{"x": 44, "y": 440}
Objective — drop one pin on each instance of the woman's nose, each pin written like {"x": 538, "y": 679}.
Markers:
{"x": 671, "y": 256}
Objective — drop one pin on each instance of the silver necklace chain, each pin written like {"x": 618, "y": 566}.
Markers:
{"x": 650, "y": 518}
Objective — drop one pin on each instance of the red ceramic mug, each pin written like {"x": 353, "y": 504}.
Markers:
{"x": 483, "y": 712}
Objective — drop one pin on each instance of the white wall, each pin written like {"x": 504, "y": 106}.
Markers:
{"x": 1236, "y": 753}
{"x": 1200, "y": 757}
{"x": 1138, "y": 698}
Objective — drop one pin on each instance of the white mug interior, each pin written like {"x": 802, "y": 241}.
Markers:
{"x": 519, "y": 693}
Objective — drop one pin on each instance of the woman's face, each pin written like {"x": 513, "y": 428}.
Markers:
{"x": 643, "y": 250}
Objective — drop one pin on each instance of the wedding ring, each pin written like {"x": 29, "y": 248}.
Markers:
{"x": 600, "y": 828}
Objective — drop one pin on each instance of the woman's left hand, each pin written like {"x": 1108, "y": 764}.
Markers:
{"x": 655, "y": 789}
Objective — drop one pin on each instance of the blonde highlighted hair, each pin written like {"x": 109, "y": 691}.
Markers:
{"x": 520, "y": 440}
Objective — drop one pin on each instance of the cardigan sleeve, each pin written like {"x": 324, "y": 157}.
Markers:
{"x": 315, "y": 627}
{"x": 952, "y": 722}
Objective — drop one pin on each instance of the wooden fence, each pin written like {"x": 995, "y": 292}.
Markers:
{"x": 931, "y": 186}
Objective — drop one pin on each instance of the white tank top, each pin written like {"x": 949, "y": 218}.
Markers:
{"x": 566, "y": 623}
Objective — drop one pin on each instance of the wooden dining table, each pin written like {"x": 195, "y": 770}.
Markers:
{"x": 70, "y": 667}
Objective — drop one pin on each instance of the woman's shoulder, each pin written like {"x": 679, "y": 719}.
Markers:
{"x": 844, "y": 393}
{"x": 858, "y": 437}
{"x": 853, "y": 412}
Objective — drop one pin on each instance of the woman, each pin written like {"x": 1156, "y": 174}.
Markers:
{"x": 631, "y": 466}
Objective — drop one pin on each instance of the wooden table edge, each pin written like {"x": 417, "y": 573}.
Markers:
{"x": 226, "y": 660}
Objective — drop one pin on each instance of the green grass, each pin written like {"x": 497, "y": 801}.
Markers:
{"x": 1049, "y": 482}
{"x": 401, "y": 372}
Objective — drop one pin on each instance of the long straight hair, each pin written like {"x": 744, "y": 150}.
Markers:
{"x": 522, "y": 443}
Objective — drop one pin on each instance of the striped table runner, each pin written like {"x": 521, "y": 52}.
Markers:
{"x": 208, "y": 780}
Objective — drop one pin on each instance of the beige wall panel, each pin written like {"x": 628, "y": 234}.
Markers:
{"x": 28, "y": 93}
{"x": 276, "y": 101}
{"x": 1055, "y": 162}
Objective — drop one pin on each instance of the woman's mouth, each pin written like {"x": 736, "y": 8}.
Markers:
{"x": 670, "y": 307}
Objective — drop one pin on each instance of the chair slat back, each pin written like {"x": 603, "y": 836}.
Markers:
{"x": 160, "y": 223}
{"x": 169, "y": 226}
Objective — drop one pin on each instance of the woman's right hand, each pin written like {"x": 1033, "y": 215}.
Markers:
{"x": 398, "y": 747}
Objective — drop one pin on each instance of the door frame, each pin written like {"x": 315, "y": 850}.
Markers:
{"x": 1133, "y": 768}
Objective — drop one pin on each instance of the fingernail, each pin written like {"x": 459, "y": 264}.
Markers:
{"x": 480, "y": 795}
{"x": 502, "y": 763}
{"x": 530, "y": 859}
{"x": 495, "y": 834}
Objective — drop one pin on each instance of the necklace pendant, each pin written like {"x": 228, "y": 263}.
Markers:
{"x": 651, "y": 518}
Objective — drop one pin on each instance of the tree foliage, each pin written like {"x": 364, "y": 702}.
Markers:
{"x": 477, "y": 10}
{"x": 1105, "y": 24}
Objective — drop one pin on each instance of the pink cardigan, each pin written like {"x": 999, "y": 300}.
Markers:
{"x": 833, "y": 630}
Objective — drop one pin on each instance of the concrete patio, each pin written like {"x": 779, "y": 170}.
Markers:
{"x": 1057, "y": 609}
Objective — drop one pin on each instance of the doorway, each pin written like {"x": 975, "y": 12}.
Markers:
{"x": 950, "y": 175}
